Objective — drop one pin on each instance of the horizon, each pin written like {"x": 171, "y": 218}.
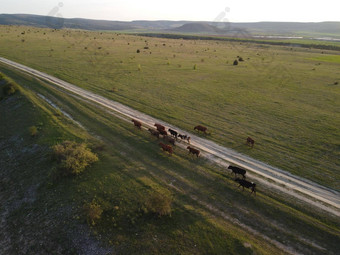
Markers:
{"x": 233, "y": 11}
{"x": 183, "y": 20}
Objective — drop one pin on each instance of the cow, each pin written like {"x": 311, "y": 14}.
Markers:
{"x": 201, "y": 128}
{"x": 169, "y": 139}
{"x": 162, "y": 132}
{"x": 166, "y": 147}
{"x": 246, "y": 184}
{"x": 250, "y": 142}
{"x": 173, "y": 133}
{"x": 237, "y": 170}
{"x": 193, "y": 151}
{"x": 154, "y": 132}
{"x": 137, "y": 123}
{"x": 159, "y": 127}
{"x": 184, "y": 137}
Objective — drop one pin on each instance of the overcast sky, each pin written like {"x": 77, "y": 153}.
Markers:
{"x": 210, "y": 10}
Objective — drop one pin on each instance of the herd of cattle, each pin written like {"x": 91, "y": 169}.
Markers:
{"x": 160, "y": 130}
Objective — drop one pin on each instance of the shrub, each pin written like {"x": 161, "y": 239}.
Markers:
{"x": 33, "y": 131}
{"x": 73, "y": 158}
{"x": 235, "y": 63}
{"x": 93, "y": 212}
{"x": 195, "y": 66}
{"x": 159, "y": 204}
{"x": 9, "y": 89}
{"x": 138, "y": 51}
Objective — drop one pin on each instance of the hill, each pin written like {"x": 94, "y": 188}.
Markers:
{"x": 197, "y": 28}
{"x": 306, "y": 29}
{"x": 57, "y": 23}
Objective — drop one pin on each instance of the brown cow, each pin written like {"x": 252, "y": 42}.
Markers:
{"x": 154, "y": 132}
{"x": 250, "y": 141}
{"x": 166, "y": 147}
{"x": 193, "y": 151}
{"x": 163, "y": 132}
{"x": 169, "y": 139}
{"x": 201, "y": 128}
{"x": 159, "y": 127}
{"x": 137, "y": 123}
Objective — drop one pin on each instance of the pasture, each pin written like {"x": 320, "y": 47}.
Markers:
{"x": 284, "y": 97}
{"x": 210, "y": 214}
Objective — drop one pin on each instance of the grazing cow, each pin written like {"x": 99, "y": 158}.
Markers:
{"x": 154, "y": 132}
{"x": 193, "y": 151}
{"x": 137, "y": 123}
{"x": 173, "y": 133}
{"x": 201, "y": 128}
{"x": 169, "y": 139}
{"x": 250, "y": 141}
{"x": 184, "y": 137}
{"x": 159, "y": 127}
{"x": 247, "y": 184}
{"x": 163, "y": 132}
{"x": 237, "y": 170}
{"x": 166, "y": 147}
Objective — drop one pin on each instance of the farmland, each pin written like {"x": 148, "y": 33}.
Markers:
{"x": 286, "y": 98}
{"x": 209, "y": 213}
{"x": 283, "y": 97}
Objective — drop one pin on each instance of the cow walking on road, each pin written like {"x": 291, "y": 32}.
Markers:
{"x": 166, "y": 147}
{"x": 193, "y": 151}
{"x": 237, "y": 170}
{"x": 137, "y": 123}
{"x": 247, "y": 184}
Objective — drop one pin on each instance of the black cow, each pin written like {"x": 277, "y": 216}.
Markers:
{"x": 184, "y": 137}
{"x": 173, "y": 133}
{"x": 237, "y": 170}
{"x": 247, "y": 184}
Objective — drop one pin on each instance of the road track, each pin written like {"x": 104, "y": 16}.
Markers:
{"x": 314, "y": 194}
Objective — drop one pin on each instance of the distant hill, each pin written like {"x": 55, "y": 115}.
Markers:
{"x": 308, "y": 29}
{"x": 197, "y": 28}
{"x": 55, "y": 22}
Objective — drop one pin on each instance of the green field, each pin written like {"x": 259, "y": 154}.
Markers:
{"x": 43, "y": 214}
{"x": 286, "y": 98}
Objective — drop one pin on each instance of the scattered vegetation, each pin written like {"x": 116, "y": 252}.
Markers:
{"x": 93, "y": 212}
{"x": 33, "y": 130}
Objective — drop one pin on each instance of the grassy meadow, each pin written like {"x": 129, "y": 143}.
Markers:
{"x": 286, "y": 98}
{"x": 42, "y": 213}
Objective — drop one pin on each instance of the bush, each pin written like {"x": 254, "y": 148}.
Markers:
{"x": 138, "y": 51}
{"x": 9, "y": 89}
{"x": 33, "y": 131}
{"x": 159, "y": 204}
{"x": 235, "y": 63}
{"x": 73, "y": 158}
{"x": 93, "y": 212}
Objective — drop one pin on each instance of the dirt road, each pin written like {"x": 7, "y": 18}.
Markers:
{"x": 302, "y": 189}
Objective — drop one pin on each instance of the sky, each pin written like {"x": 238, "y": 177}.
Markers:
{"x": 211, "y": 10}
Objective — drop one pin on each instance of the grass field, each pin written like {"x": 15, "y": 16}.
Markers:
{"x": 286, "y": 98}
{"x": 41, "y": 214}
